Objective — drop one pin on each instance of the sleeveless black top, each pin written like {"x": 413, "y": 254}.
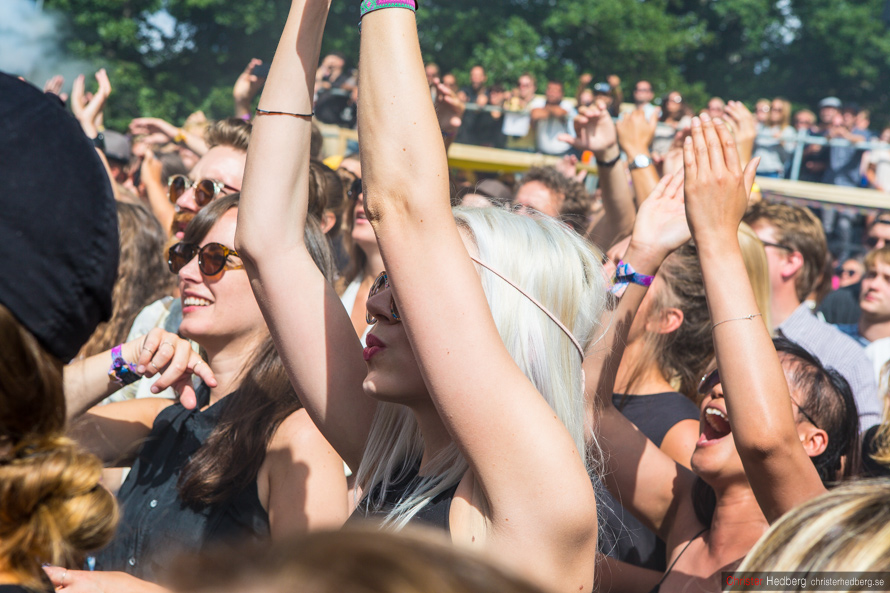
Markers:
{"x": 156, "y": 526}
{"x": 434, "y": 514}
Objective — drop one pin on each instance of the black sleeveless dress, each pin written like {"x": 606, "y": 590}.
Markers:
{"x": 156, "y": 526}
{"x": 434, "y": 514}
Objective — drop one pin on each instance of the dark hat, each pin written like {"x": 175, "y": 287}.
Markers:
{"x": 58, "y": 222}
{"x": 117, "y": 146}
{"x": 494, "y": 189}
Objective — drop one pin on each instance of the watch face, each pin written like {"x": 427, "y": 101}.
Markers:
{"x": 641, "y": 161}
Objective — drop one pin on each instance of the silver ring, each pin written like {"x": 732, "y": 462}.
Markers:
{"x": 168, "y": 343}
{"x": 153, "y": 365}
{"x": 64, "y": 577}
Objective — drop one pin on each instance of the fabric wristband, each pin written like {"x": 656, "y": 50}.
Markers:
{"x": 624, "y": 275}
{"x": 121, "y": 371}
{"x": 372, "y": 5}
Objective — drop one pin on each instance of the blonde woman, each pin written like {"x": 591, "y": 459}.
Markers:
{"x": 466, "y": 408}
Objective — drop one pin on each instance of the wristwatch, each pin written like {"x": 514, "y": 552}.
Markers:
{"x": 641, "y": 161}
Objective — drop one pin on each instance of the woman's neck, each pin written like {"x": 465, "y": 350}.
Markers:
{"x": 634, "y": 378}
{"x": 228, "y": 364}
{"x": 737, "y": 524}
{"x": 435, "y": 436}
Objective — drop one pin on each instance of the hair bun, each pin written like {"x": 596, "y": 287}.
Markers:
{"x": 52, "y": 505}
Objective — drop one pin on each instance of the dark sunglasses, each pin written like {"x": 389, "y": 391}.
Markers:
{"x": 871, "y": 242}
{"x": 380, "y": 283}
{"x": 846, "y": 273}
{"x": 354, "y": 190}
{"x": 212, "y": 258}
{"x": 206, "y": 190}
{"x": 712, "y": 379}
{"x": 776, "y": 245}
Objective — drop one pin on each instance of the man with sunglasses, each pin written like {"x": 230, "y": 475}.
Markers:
{"x": 218, "y": 173}
{"x": 796, "y": 250}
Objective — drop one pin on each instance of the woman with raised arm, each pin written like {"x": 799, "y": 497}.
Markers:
{"x": 760, "y": 454}
{"x": 467, "y": 411}
{"x": 246, "y": 463}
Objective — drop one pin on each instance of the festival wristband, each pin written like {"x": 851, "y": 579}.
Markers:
{"x": 624, "y": 275}
{"x": 372, "y": 5}
{"x": 121, "y": 371}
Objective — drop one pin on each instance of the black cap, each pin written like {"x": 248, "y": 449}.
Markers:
{"x": 59, "y": 242}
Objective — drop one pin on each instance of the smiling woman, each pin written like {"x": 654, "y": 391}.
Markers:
{"x": 246, "y": 463}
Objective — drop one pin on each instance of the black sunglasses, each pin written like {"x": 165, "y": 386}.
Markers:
{"x": 212, "y": 258}
{"x": 354, "y": 190}
{"x": 712, "y": 379}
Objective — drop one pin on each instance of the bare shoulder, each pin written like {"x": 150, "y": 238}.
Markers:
{"x": 299, "y": 435}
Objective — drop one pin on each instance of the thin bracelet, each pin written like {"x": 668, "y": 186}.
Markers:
{"x": 748, "y": 317}
{"x": 299, "y": 115}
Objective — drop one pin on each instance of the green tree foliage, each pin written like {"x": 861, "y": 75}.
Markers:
{"x": 802, "y": 49}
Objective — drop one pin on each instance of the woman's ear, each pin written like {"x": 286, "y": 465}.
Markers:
{"x": 328, "y": 219}
{"x": 667, "y": 321}
{"x": 814, "y": 440}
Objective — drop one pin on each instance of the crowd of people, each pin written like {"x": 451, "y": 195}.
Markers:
{"x": 545, "y": 389}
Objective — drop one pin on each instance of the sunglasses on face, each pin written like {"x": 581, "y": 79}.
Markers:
{"x": 846, "y": 273}
{"x": 381, "y": 283}
{"x": 712, "y": 379}
{"x": 206, "y": 190}
{"x": 212, "y": 258}
{"x": 354, "y": 190}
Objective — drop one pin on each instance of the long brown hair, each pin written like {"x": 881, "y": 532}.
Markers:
{"x": 683, "y": 355}
{"x": 230, "y": 458}
{"x": 142, "y": 276}
{"x": 52, "y": 506}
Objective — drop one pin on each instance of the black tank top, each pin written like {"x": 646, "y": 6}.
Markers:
{"x": 434, "y": 514}
{"x": 156, "y": 526}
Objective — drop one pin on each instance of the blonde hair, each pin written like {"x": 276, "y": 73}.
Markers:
{"x": 757, "y": 266}
{"x": 847, "y": 529}
{"x": 564, "y": 273}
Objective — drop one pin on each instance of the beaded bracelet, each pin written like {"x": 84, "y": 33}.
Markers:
{"x": 121, "y": 371}
{"x": 624, "y": 275}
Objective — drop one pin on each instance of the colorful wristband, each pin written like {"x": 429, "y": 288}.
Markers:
{"x": 372, "y": 5}
{"x": 121, "y": 371}
{"x": 624, "y": 275}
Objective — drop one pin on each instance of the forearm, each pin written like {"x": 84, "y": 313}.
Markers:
{"x": 602, "y": 360}
{"x": 743, "y": 344}
{"x": 397, "y": 122}
{"x": 618, "y": 203}
{"x": 159, "y": 202}
{"x": 195, "y": 143}
{"x": 242, "y": 108}
{"x": 275, "y": 195}
{"x": 86, "y": 382}
{"x": 644, "y": 178}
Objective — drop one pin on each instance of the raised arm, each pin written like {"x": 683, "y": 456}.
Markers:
{"x": 595, "y": 131}
{"x": 647, "y": 482}
{"x": 502, "y": 425}
{"x": 311, "y": 329}
{"x": 754, "y": 386}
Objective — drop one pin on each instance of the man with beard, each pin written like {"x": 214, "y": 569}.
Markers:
{"x": 218, "y": 173}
